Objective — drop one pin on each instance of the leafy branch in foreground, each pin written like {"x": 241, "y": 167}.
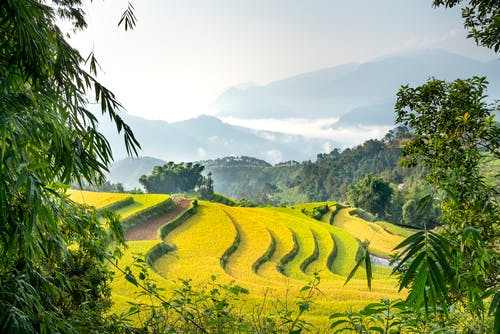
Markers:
{"x": 481, "y": 19}
{"x": 459, "y": 263}
{"x": 364, "y": 258}
{"x": 428, "y": 269}
{"x": 52, "y": 272}
{"x": 128, "y": 17}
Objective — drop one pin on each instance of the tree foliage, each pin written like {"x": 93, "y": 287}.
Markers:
{"x": 481, "y": 19}
{"x": 207, "y": 187}
{"x": 52, "y": 251}
{"x": 173, "y": 178}
{"x": 454, "y": 128}
{"x": 405, "y": 208}
{"x": 371, "y": 193}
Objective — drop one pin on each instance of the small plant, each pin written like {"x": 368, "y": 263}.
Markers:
{"x": 286, "y": 320}
{"x": 209, "y": 308}
{"x": 383, "y": 317}
{"x": 205, "y": 309}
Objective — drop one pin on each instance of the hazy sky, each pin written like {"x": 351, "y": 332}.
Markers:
{"x": 183, "y": 53}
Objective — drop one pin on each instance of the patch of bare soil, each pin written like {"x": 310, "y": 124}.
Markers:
{"x": 149, "y": 229}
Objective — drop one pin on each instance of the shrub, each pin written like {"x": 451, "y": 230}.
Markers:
{"x": 158, "y": 251}
{"x": 316, "y": 212}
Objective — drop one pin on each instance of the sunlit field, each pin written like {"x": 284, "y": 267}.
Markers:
{"x": 272, "y": 252}
{"x": 97, "y": 199}
{"x": 134, "y": 202}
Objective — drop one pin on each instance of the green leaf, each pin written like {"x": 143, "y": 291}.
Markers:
{"x": 354, "y": 270}
{"x": 303, "y": 306}
{"x": 494, "y": 308}
{"x": 131, "y": 278}
{"x": 338, "y": 322}
{"x": 412, "y": 239}
{"x": 305, "y": 288}
{"x": 377, "y": 329}
{"x": 423, "y": 203}
{"x": 408, "y": 275}
{"x": 368, "y": 267}
{"x": 337, "y": 315}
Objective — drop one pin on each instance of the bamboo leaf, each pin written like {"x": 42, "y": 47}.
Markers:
{"x": 413, "y": 239}
{"x": 131, "y": 278}
{"x": 408, "y": 275}
{"x": 354, "y": 270}
{"x": 368, "y": 267}
{"x": 423, "y": 203}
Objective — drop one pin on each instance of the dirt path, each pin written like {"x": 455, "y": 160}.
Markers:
{"x": 149, "y": 229}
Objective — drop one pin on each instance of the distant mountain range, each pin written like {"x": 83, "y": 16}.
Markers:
{"x": 207, "y": 137}
{"x": 359, "y": 95}
{"x": 129, "y": 170}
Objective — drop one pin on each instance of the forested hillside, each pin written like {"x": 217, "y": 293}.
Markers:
{"x": 326, "y": 178}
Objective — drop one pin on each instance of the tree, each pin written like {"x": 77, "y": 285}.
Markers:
{"x": 458, "y": 264}
{"x": 481, "y": 19}
{"x": 53, "y": 276}
{"x": 371, "y": 193}
{"x": 207, "y": 187}
{"x": 173, "y": 178}
{"x": 405, "y": 208}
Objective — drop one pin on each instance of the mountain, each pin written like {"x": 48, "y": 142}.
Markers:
{"x": 129, "y": 170}
{"x": 361, "y": 94}
{"x": 207, "y": 137}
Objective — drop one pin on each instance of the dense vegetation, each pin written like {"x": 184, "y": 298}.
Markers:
{"x": 331, "y": 177}
{"x": 325, "y": 179}
{"x": 458, "y": 264}
{"x": 173, "y": 178}
{"x": 53, "y": 272}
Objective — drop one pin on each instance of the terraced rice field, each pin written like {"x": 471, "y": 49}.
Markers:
{"x": 381, "y": 241}
{"x": 101, "y": 200}
{"x": 97, "y": 199}
{"x": 273, "y": 251}
{"x": 141, "y": 202}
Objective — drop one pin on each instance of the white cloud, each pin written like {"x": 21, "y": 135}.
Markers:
{"x": 202, "y": 153}
{"x": 454, "y": 40}
{"x": 274, "y": 156}
{"x": 311, "y": 128}
{"x": 213, "y": 138}
{"x": 315, "y": 129}
{"x": 327, "y": 147}
{"x": 351, "y": 136}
